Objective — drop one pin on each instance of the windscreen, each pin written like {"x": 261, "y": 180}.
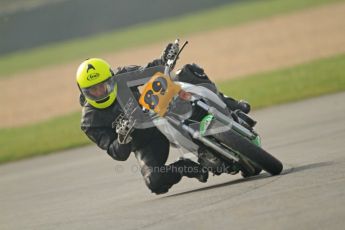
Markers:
{"x": 128, "y": 95}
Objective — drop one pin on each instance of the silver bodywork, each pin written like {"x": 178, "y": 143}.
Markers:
{"x": 181, "y": 137}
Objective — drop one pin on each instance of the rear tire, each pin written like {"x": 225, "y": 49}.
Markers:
{"x": 252, "y": 152}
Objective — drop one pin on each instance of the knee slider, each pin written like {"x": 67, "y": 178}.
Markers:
{"x": 154, "y": 182}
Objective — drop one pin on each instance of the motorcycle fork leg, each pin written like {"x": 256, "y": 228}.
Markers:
{"x": 206, "y": 141}
{"x": 226, "y": 120}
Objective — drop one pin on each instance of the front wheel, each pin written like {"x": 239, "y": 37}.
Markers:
{"x": 250, "y": 151}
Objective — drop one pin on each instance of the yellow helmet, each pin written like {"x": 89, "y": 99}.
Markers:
{"x": 96, "y": 82}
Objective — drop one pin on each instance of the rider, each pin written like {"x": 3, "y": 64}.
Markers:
{"x": 151, "y": 148}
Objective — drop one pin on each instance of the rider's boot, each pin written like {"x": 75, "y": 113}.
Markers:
{"x": 191, "y": 169}
{"x": 234, "y": 105}
{"x": 239, "y": 111}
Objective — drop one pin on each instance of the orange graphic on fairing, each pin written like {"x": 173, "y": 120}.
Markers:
{"x": 158, "y": 92}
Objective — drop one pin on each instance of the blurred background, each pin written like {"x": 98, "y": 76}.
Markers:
{"x": 267, "y": 52}
{"x": 32, "y": 23}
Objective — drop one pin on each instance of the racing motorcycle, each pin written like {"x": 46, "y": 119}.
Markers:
{"x": 195, "y": 120}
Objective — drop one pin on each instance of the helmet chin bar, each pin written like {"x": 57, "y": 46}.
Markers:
{"x": 103, "y": 100}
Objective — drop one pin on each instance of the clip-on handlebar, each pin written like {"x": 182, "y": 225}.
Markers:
{"x": 169, "y": 66}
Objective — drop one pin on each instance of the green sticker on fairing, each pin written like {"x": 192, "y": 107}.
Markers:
{"x": 205, "y": 122}
{"x": 257, "y": 141}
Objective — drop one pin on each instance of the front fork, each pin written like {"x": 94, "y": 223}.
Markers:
{"x": 231, "y": 155}
{"x": 227, "y": 121}
{"x": 207, "y": 142}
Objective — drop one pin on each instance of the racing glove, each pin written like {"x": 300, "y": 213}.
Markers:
{"x": 124, "y": 127}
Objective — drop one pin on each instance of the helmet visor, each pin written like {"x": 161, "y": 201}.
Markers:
{"x": 99, "y": 91}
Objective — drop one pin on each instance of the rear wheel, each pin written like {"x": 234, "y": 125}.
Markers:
{"x": 250, "y": 151}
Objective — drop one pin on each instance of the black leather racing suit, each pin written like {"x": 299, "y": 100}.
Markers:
{"x": 150, "y": 146}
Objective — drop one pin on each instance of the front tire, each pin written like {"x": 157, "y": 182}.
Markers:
{"x": 252, "y": 152}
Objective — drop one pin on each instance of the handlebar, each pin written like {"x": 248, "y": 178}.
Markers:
{"x": 169, "y": 66}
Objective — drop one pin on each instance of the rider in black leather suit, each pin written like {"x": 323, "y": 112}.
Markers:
{"x": 150, "y": 146}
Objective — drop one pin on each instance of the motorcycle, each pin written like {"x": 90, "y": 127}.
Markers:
{"x": 195, "y": 120}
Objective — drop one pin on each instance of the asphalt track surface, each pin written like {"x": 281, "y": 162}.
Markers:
{"x": 85, "y": 189}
